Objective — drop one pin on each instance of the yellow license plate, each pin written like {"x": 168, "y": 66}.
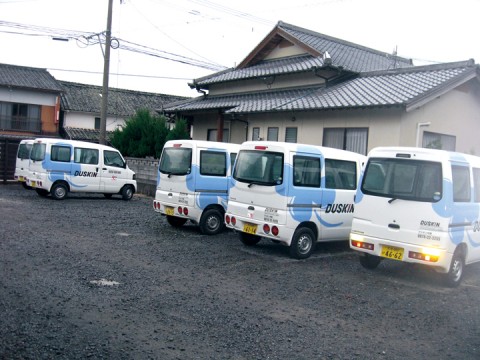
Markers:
{"x": 33, "y": 183}
{"x": 250, "y": 228}
{"x": 169, "y": 210}
{"x": 392, "y": 252}
{"x": 22, "y": 179}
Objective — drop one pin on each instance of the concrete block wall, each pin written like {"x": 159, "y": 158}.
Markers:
{"x": 146, "y": 171}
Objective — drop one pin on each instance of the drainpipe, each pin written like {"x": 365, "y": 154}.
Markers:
{"x": 220, "y": 123}
{"x": 419, "y": 125}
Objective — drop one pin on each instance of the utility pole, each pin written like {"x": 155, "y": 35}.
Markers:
{"x": 106, "y": 70}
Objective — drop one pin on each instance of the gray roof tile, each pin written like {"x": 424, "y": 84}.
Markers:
{"x": 398, "y": 87}
{"x": 121, "y": 102}
{"x": 28, "y": 78}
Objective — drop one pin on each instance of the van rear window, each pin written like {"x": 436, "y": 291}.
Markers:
{"x": 176, "y": 161}
{"x": 406, "y": 179}
{"x": 259, "y": 167}
{"x": 38, "y": 152}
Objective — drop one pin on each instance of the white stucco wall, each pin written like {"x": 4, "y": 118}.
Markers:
{"x": 87, "y": 121}
{"x": 27, "y": 97}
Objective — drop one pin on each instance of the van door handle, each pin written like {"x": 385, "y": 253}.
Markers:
{"x": 251, "y": 208}
{"x": 104, "y": 168}
{"x": 394, "y": 226}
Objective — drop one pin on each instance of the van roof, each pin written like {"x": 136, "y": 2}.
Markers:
{"x": 205, "y": 144}
{"x": 423, "y": 153}
{"x": 326, "y": 151}
{"x": 74, "y": 143}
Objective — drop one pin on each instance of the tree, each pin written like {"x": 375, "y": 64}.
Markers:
{"x": 143, "y": 135}
{"x": 180, "y": 131}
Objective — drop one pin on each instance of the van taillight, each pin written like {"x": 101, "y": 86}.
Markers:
{"x": 261, "y": 147}
{"x": 275, "y": 230}
{"x": 185, "y": 211}
{"x": 177, "y": 145}
{"x": 266, "y": 229}
{"x": 227, "y": 219}
{"x": 362, "y": 245}
{"x": 234, "y": 221}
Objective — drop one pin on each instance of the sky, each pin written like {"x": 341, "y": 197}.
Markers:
{"x": 205, "y": 36}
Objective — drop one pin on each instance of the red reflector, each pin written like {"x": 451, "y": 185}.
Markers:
{"x": 261, "y": 147}
{"x": 227, "y": 219}
{"x": 177, "y": 145}
{"x": 180, "y": 210}
{"x": 234, "y": 221}
{"x": 185, "y": 211}
{"x": 266, "y": 229}
{"x": 275, "y": 230}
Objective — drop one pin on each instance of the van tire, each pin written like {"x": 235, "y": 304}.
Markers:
{"x": 457, "y": 267}
{"x": 370, "y": 262}
{"x": 249, "y": 239}
{"x": 59, "y": 191}
{"x": 127, "y": 192}
{"x": 303, "y": 243}
{"x": 42, "y": 192}
{"x": 176, "y": 221}
{"x": 211, "y": 222}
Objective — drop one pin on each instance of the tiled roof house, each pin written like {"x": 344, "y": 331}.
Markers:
{"x": 81, "y": 105}
{"x": 302, "y": 86}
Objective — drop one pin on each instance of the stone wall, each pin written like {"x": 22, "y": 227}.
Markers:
{"x": 146, "y": 171}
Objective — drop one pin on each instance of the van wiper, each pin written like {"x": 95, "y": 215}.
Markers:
{"x": 392, "y": 200}
{"x": 255, "y": 183}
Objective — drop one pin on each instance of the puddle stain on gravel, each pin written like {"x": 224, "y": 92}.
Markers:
{"x": 104, "y": 282}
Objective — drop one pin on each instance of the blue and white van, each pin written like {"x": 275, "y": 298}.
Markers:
{"x": 294, "y": 194}
{"x": 22, "y": 162}
{"x": 59, "y": 166}
{"x": 419, "y": 206}
{"x": 193, "y": 183}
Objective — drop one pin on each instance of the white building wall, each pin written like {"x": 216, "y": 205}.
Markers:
{"x": 87, "y": 121}
{"x": 27, "y": 97}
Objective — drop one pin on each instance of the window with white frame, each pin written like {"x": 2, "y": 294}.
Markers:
{"x": 212, "y": 135}
{"x": 255, "y": 133}
{"x": 433, "y": 140}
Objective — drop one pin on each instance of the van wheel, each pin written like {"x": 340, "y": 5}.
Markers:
{"x": 176, "y": 221}
{"x": 370, "y": 261}
{"x": 42, "y": 192}
{"x": 211, "y": 222}
{"x": 455, "y": 275}
{"x": 249, "y": 239}
{"x": 127, "y": 192}
{"x": 303, "y": 243}
{"x": 59, "y": 191}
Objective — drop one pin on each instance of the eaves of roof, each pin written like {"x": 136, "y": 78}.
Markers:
{"x": 407, "y": 88}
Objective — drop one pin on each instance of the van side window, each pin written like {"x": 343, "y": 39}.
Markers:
{"x": 213, "y": 163}
{"x": 61, "y": 153}
{"x": 113, "y": 158}
{"x": 85, "y": 156}
{"x": 233, "y": 156}
{"x": 340, "y": 174}
{"x": 461, "y": 183}
{"x": 476, "y": 183}
{"x": 306, "y": 171}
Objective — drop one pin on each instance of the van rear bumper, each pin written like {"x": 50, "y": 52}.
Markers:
{"x": 435, "y": 257}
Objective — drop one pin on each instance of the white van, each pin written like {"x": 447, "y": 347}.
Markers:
{"x": 21, "y": 164}
{"x": 419, "y": 206}
{"x": 58, "y": 166}
{"x": 192, "y": 183}
{"x": 294, "y": 194}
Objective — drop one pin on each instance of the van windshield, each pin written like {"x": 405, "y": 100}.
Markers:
{"x": 405, "y": 179}
{"x": 176, "y": 161}
{"x": 38, "y": 152}
{"x": 259, "y": 167}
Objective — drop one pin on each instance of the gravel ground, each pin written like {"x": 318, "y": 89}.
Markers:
{"x": 90, "y": 277}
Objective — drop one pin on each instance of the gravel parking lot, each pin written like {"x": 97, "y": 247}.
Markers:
{"x": 90, "y": 277}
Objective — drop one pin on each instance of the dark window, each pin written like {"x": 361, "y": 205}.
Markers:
{"x": 176, "y": 161}
{"x": 213, "y": 163}
{"x": 113, "y": 158}
{"x": 85, "y": 156}
{"x": 24, "y": 151}
{"x": 306, "y": 171}
{"x": 291, "y": 134}
{"x": 476, "y": 183}
{"x": 272, "y": 134}
{"x": 61, "y": 153}
{"x": 438, "y": 141}
{"x": 259, "y": 167}
{"x": 461, "y": 183}
{"x": 21, "y": 117}
{"x": 38, "y": 152}
{"x": 212, "y": 135}
{"x": 97, "y": 123}
{"x": 340, "y": 174}
{"x": 255, "y": 134}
